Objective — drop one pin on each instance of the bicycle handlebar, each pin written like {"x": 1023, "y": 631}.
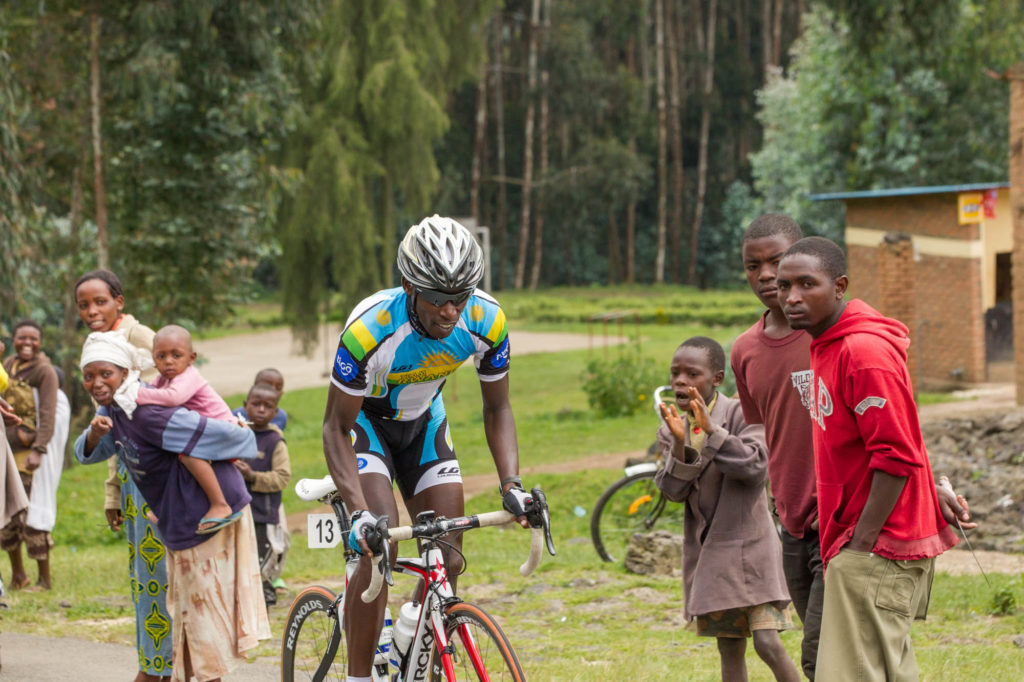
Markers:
{"x": 540, "y": 534}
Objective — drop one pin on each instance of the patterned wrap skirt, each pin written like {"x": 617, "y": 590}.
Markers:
{"x": 148, "y": 572}
{"x": 215, "y": 597}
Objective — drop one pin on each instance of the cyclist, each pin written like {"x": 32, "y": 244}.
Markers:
{"x": 385, "y": 419}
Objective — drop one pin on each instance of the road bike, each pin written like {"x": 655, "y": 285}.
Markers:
{"x": 633, "y": 504}
{"x": 448, "y": 639}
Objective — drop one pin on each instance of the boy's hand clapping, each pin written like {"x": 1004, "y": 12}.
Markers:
{"x": 700, "y": 411}
{"x": 674, "y": 422}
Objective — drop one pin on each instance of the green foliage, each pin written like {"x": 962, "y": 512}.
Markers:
{"x": 617, "y": 309}
{"x": 362, "y": 161}
{"x": 622, "y": 386}
{"x": 886, "y": 95}
{"x": 1003, "y": 603}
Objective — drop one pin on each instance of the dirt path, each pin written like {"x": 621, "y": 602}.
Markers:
{"x": 231, "y": 362}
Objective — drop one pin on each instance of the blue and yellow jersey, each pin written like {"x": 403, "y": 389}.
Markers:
{"x": 398, "y": 371}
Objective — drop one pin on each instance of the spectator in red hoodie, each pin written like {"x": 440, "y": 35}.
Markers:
{"x": 881, "y": 524}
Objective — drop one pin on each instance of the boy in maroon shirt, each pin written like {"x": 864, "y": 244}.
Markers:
{"x": 771, "y": 363}
{"x": 881, "y": 522}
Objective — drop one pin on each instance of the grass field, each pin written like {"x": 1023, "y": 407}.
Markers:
{"x": 576, "y": 618}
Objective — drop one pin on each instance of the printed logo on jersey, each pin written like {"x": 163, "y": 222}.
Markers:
{"x": 345, "y": 365}
{"x": 435, "y": 365}
{"x": 870, "y": 401}
{"x": 361, "y": 462}
{"x": 383, "y": 318}
{"x": 802, "y": 383}
{"x": 500, "y": 358}
{"x": 352, "y": 435}
{"x": 450, "y": 471}
{"x": 448, "y": 436}
{"x": 824, "y": 406}
{"x": 476, "y": 313}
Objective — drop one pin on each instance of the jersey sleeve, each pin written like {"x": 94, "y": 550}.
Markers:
{"x": 490, "y": 333}
{"x": 351, "y": 358}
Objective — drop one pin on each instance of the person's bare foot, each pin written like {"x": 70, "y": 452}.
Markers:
{"x": 216, "y": 511}
{"x": 20, "y": 582}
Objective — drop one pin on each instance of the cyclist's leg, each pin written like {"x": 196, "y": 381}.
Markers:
{"x": 375, "y": 479}
{"x": 434, "y": 482}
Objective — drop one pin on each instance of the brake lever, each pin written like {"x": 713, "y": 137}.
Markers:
{"x": 540, "y": 502}
{"x": 380, "y": 529}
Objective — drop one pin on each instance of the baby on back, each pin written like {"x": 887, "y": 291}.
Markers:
{"x": 181, "y": 385}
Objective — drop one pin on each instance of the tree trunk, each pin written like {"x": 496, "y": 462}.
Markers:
{"x": 1015, "y": 74}
{"x": 705, "y": 127}
{"x": 777, "y": 34}
{"x": 70, "y": 324}
{"x": 766, "y": 37}
{"x": 99, "y": 188}
{"x": 538, "y": 225}
{"x": 498, "y": 91}
{"x": 675, "y": 131}
{"x": 480, "y": 139}
{"x": 659, "y": 43}
{"x": 531, "y": 87}
{"x": 387, "y": 213}
{"x": 614, "y": 259}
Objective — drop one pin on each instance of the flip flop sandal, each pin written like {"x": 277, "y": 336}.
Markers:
{"x": 220, "y": 523}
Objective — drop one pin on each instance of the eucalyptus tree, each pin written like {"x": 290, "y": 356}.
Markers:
{"x": 373, "y": 103}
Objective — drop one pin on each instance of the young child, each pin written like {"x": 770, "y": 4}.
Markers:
{"x": 265, "y": 477}
{"x": 180, "y": 384}
{"x": 279, "y": 536}
{"x": 732, "y": 559}
{"x": 274, "y": 378}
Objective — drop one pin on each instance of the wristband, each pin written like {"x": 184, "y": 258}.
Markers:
{"x": 510, "y": 479}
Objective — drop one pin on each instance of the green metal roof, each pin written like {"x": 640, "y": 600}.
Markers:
{"x": 907, "y": 191}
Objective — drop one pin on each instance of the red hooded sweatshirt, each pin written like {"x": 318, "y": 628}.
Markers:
{"x": 866, "y": 420}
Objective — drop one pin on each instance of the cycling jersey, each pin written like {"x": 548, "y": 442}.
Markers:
{"x": 398, "y": 370}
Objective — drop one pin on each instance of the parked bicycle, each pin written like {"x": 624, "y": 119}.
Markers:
{"x": 633, "y": 504}
{"x": 437, "y": 636}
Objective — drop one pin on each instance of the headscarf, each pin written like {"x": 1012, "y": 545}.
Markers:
{"x": 112, "y": 347}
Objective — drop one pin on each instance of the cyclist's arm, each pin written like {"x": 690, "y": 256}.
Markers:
{"x": 339, "y": 419}
{"x": 500, "y": 429}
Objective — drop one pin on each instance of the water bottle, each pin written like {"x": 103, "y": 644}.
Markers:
{"x": 404, "y": 630}
{"x": 384, "y": 643}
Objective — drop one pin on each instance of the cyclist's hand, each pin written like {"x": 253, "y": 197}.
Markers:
{"x": 517, "y": 502}
{"x": 363, "y": 538}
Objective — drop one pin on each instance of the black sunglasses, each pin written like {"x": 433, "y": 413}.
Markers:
{"x": 439, "y": 298}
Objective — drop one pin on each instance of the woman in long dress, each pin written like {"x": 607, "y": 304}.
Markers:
{"x": 100, "y": 300}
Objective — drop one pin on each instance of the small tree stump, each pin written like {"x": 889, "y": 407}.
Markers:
{"x": 656, "y": 553}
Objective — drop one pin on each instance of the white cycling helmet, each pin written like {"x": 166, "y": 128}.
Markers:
{"x": 440, "y": 253}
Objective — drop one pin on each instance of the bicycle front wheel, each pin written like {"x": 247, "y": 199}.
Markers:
{"x": 632, "y": 504}
{"x": 480, "y": 650}
{"x": 312, "y": 634}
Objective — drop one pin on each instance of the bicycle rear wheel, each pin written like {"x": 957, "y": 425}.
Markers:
{"x": 632, "y": 504}
{"x": 481, "y": 649}
{"x": 311, "y": 648}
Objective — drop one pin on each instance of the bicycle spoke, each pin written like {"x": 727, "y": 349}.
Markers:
{"x": 306, "y": 653}
{"x": 631, "y": 505}
{"x": 480, "y": 649}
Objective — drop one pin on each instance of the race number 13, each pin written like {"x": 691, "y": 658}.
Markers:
{"x": 323, "y": 531}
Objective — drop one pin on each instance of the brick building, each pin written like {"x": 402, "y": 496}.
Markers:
{"x": 937, "y": 259}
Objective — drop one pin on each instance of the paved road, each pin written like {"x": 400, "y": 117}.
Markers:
{"x": 32, "y": 658}
{"x": 232, "y": 361}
